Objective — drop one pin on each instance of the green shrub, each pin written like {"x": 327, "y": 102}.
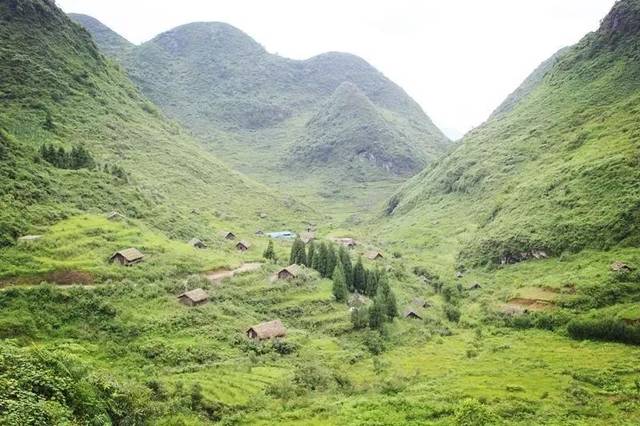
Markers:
{"x": 608, "y": 329}
{"x": 452, "y": 313}
{"x": 472, "y": 413}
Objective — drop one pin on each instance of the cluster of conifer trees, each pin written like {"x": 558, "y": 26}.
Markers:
{"x": 349, "y": 278}
{"x": 77, "y": 158}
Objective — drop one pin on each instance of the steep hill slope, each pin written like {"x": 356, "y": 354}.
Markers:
{"x": 557, "y": 170}
{"x": 57, "y": 89}
{"x": 256, "y": 108}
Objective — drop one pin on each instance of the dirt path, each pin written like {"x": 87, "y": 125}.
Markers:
{"x": 222, "y": 274}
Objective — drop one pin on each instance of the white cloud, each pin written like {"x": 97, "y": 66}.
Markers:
{"x": 458, "y": 58}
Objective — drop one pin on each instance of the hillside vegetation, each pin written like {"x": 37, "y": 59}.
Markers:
{"x": 58, "y": 90}
{"x": 257, "y": 109}
{"x": 554, "y": 170}
{"x": 437, "y": 332}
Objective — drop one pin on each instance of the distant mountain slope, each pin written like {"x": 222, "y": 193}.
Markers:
{"x": 110, "y": 42}
{"x": 557, "y": 169}
{"x": 235, "y": 95}
{"x": 57, "y": 88}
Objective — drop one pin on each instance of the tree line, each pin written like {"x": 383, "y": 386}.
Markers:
{"x": 348, "y": 278}
{"x": 76, "y": 158}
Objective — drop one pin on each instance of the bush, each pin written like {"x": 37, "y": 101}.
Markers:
{"x": 472, "y": 413}
{"x": 452, "y": 313}
{"x": 374, "y": 342}
{"x": 311, "y": 377}
{"x": 608, "y": 329}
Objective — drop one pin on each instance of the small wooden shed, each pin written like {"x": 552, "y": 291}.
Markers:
{"x": 243, "y": 246}
{"x": 197, "y": 243}
{"x": 227, "y": 235}
{"x": 347, "y": 242}
{"x": 267, "y": 330}
{"x": 374, "y": 255}
{"x": 290, "y": 272}
{"x": 127, "y": 257}
{"x": 194, "y": 297}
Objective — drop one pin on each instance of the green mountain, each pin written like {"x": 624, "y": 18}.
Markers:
{"x": 555, "y": 169}
{"x": 257, "y": 109}
{"x": 58, "y": 90}
{"x": 110, "y": 42}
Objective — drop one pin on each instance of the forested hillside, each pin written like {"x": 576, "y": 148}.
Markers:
{"x": 252, "y": 106}
{"x": 58, "y": 91}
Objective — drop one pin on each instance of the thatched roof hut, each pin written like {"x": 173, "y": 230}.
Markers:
{"x": 291, "y": 271}
{"x": 347, "y": 242}
{"x": 197, "y": 243}
{"x": 374, "y": 255}
{"x": 474, "y": 286}
{"x": 620, "y": 267}
{"x": 412, "y": 313}
{"x": 127, "y": 257}
{"x": 114, "y": 215}
{"x": 243, "y": 246}
{"x": 227, "y": 235}
{"x": 420, "y": 303}
{"x": 267, "y": 330}
{"x": 307, "y": 236}
{"x": 194, "y": 297}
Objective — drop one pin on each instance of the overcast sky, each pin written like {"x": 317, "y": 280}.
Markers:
{"x": 458, "y": 58}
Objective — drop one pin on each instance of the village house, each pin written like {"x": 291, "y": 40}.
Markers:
{"x": 228, "y": 235}
{"x": 115, "y": 216}
{"x": 195, "y": 242}
{"x": 267, "y": 330}
{"x": 290, "y": 272}
{"x": 374, "y": 255}
{"x": 347, "y": 242}
{"x": 412, "y": 313}
{"x": 127, "y": 257}
{"x": 194, "y": 297}
{"x": 420, "y": 303}
{"x": 243, "y": 246}
{"x": 620, "y": 267}
{"x": 307, "y": 236}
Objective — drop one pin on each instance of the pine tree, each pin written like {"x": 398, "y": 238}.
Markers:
{"x": 270, "y": 253}
{"x": 332, "y": 260}
{"x": 372, "y": 283}
{"x": 359, "y": 317}
{"x": 61, "y": 158}
{"x": 298, "y": 255}
{"x": 359, "y": 277}
{"x": 48, "y": 122}
{"x": 339, "y": 284}
{"x": 320, "y": 259}
{"x": 377, "y": 314}
{"x": 310, "y": 253}
{"x": 347, "y": 266}
{"x": 388, "y": 298}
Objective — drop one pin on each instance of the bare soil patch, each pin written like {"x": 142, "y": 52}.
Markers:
{"x": 220, "y": 275}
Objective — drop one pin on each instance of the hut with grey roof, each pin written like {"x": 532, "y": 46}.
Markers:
{"x": 412, "y": 312}
{"x": 227, "y": 235}
{"x": 374, "y": 255}
{"x": 290, "y": 272}
{"x": 197, "y": 243}
{"x": 243, "y": 246}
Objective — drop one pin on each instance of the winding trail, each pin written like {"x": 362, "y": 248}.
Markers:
{"x": 220, "y": 275}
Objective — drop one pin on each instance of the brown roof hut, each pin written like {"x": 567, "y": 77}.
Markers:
{"x": 374, "y": 255}
{"x": 195, "y": 242}
{"x": 307, "y": 236}
{"x": 347, "y": 242}
{"x": 267, "y": 330}
{"x": 228, "y": 235}
{"x": 412, "y": 313}
{"x": 620, "y": 267}
{"x": 127, "y": 257}
{"x": 243, "y": 246}
{"x": 290, "y": 272}
{"x": 194, "y": 297}
{"x": 420, "y": 303}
